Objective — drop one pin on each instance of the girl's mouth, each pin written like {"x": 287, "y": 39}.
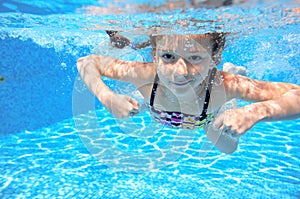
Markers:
{"x": 182, "y": 83}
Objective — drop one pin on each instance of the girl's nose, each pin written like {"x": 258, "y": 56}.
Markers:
{"x": 181, "y": 67}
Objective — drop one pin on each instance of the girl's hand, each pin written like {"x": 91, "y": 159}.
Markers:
{"x": 236, "y": 122}
{"x": 121, "y": 105}
{"x": 229, "y": 126}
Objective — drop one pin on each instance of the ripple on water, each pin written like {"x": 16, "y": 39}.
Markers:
{"x": 185, "y": 166}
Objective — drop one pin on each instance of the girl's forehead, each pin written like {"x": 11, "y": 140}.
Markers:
{"x": 182, "y": 43}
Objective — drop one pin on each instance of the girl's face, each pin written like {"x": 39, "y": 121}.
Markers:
{"x": 182, "y": 62}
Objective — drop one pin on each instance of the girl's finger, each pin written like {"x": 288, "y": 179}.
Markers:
{"x": 218, "y": 123}
{"x": 134, "y": 103}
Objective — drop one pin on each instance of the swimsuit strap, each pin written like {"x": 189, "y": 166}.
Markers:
{"x": 207, "y": 94}
{"x": 153, "y": 92}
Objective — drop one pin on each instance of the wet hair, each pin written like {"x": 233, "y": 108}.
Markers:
{"x": 111, "y": 33}
{"x": 117, "y": 40}
{"x": 213, "y": 42}
{"x": 227, "y": 2}
{"x": 210, "y": 4}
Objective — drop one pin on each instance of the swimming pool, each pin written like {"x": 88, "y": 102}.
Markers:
{"x": 57, "y": 141}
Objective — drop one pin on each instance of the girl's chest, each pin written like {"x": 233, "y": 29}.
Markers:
{"x": 192, "y": 104}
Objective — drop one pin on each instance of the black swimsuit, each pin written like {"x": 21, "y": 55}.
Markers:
{"x": 182, "y": 120}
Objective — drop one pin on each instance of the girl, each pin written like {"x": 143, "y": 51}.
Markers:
{"x": 183, "y": 88}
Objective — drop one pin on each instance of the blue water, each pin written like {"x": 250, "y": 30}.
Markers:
{"x": 57, "y": 141}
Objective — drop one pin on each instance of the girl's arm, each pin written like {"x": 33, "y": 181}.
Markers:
{"x": 273, "y": 101}
{"x": 93, "y": 67}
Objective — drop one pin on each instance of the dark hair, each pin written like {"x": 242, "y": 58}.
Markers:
{"x": 215, "y": 45}
{"x": 219, "y": 40}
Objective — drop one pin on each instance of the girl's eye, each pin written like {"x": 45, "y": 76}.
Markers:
{"x": 169, "y": 58}
{"x": 195, "y": 59}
